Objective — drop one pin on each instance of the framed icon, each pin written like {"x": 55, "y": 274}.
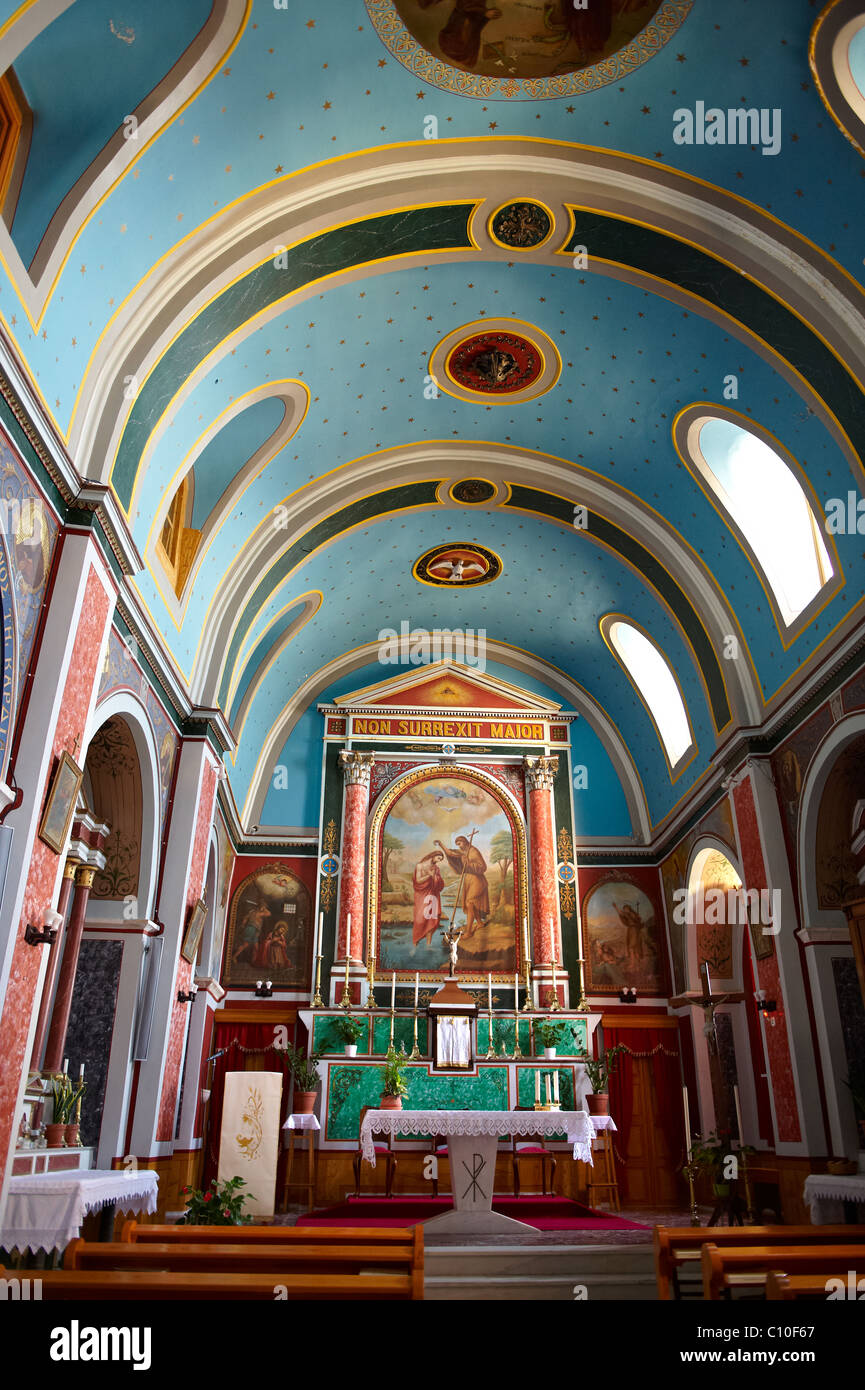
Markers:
{"x": 60, "y": 803}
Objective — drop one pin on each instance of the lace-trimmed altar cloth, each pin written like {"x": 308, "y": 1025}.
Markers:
{"x": 44, "y": 1211}
{"x": 576, "y": 1125}
{"x": 826, "y": 1193}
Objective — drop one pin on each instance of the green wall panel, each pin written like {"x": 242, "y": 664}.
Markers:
{"x": 352, "y": 1086}
{"x": 327, "y": 1039}
{"x": 403, "y": 1032}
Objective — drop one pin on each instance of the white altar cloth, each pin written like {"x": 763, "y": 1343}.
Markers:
{"x": 576, "y": 1125}
{"x": 44, "y": 1211}
{"x": 826, "y": 1193}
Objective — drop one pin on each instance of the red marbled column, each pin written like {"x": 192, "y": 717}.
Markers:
{"x": 66, "y": 980}
{"x": 185, "y": 969}
{"x": 540, "y": 774}
{"x": 55, "y": 952}
{"x": 357, "y": 768}
{"x": 768, "y": 977}
{"x": 78, "y": 692}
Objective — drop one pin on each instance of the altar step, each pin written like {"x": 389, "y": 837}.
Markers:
{"x": 539, "y": 1272}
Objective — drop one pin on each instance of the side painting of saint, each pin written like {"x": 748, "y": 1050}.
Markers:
{"x": 269, "y": 931}
{"x": 447, "y": 851}
{"x": 622, "y": 943}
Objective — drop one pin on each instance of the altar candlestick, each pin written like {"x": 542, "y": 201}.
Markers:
{"x": 554, "y": 975}
{"x": 81, "y": 1078}
{"x": 392, "y": 990}
{"x": 537, "y": 1086}
{"x": 556, "y": 1087}
{"x": 490, "y": 993}
{"x": 547, "y": 1083}
{"x": 416, "y": 987}
{"x": 516, "y": 991}
{"x": 687, "y": 1122}
{"x": 738, "y": 1115}
{"x": 347, "y": 964}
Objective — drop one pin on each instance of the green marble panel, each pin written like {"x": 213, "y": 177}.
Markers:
{"x": 352, "y": 1086}
{"x": 526, "y": 1084}
{"x": 326, "y": 1038}
{"x": 503, "y": 1032}
{"x": 403, "y": 1032}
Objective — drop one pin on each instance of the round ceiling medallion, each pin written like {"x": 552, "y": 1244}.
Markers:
{"x": 457, "y": 566}
{"x": 524, "y": 49}
{"x": 472, "y": 491}
{"x": 497, "y": 361}
{"x": 521, "y": 226}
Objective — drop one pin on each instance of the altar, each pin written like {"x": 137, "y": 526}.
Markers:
{"x": 473, "y": 1138}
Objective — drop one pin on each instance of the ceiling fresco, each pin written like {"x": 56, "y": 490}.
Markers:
{"x": 409, "y": 282}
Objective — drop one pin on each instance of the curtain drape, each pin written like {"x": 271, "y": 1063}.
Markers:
{"x": 655, "y": 1045}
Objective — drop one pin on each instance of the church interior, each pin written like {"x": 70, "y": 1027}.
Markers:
{"x": 432, "y": 842}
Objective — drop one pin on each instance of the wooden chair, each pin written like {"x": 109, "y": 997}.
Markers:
{"x": 741, "y": 1268}
{"x": 602, "y": 1172}
{"x": 680, "y": 1247}
{"x": 381, "y": 1151}
{"x": 532, "y": 1146}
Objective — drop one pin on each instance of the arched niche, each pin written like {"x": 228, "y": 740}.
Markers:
{"x": 121, "y": 782}
{"x": 710, "y": 935}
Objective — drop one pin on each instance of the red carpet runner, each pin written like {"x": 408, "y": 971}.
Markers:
{"x": 544, "y": 1213}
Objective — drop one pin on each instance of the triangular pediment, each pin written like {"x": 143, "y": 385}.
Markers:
{"x": 448, "y": 685}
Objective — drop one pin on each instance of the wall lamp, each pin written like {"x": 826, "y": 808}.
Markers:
{"x": 187, "y": 998}
{"x": 47, "y": 934}
{"x": 264, "y": 989}
{"x": 628, "y": 996}
{"x": 765, "y": 1006}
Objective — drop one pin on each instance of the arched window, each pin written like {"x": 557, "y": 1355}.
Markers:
{"x": 177, "y": 540}
{"x": 766, "y": 506}
{"x": 656, "y": 685}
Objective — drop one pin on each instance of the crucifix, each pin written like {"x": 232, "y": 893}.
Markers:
{"x": 709, "y": 1004}
{"x": 75, "y": 744}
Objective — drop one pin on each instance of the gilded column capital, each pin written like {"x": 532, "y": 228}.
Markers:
{"x": 541, "y": 772}
{"x": 70, "y": 867}
{"x": 84, "y": 876}
{"x": 356, "y": 767}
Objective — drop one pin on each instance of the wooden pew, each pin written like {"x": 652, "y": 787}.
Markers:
{"x": 679, "y": 1246}
{"x": 780, "y": 1286}
{"x": 269, "y": 1235}
{"x": 747, "y": 1267}
{"x": 142, "y": 1285}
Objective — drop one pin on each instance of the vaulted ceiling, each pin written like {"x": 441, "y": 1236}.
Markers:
{"x": 241, "y": 233}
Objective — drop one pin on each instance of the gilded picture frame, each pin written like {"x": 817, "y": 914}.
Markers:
{"x": 60, "y": 803}
{"x": 194, "y": 930}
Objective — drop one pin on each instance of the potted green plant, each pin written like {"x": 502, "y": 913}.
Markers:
{"x": 304, "y": 1070}
{"x": 72, "y": 1133}
{"x": 61, "y": 1088}
{"x": 349, "y": 1029}
{"x": 599, "y": 1070}
{"x": 217, "y": 1205}
{"x": 394, "y": 1087}
{"x": 551, "y": 1032}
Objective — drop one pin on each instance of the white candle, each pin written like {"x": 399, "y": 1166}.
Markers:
{"x": 392, "y": 990}
{"x": 537, "y": 1086}
{"x": 416, "y": 986}
{"x": 525, "y": 939}
{"x": 65, "y": 1064}
{"x": 347, "y": 963}
{"x": 81, "y": 1078}
{"x": 738, "y": 1116}
{"x": 547, "y": 1083}
{"x": 687, "y": 1122}
{"x": 708, "y": 981}
{"x": 516, "y": 992}
{"x": 490, "y": 993}
{"x": 556, "y": 1087}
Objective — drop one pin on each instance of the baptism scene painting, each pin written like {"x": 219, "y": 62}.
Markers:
{"x": 447, "y": 850}
{"x": 621, "y": 940}
{"x": 524, "y": 38}
{"x": 269, "y": 931}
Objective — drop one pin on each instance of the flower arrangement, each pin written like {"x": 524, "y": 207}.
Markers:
{"x": 217, "y": 1205}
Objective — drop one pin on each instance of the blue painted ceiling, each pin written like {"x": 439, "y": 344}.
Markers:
{"x": 308, "y": 86}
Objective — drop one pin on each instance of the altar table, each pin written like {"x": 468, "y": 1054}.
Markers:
{"x": 827, "y": 1194}
{"x": 44, "y": 1211}
{"x": 472, "y": 1138}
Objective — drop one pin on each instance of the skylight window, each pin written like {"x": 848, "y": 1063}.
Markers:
{"x": 768, "y": 507}
{"x": 649, "y": 669}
